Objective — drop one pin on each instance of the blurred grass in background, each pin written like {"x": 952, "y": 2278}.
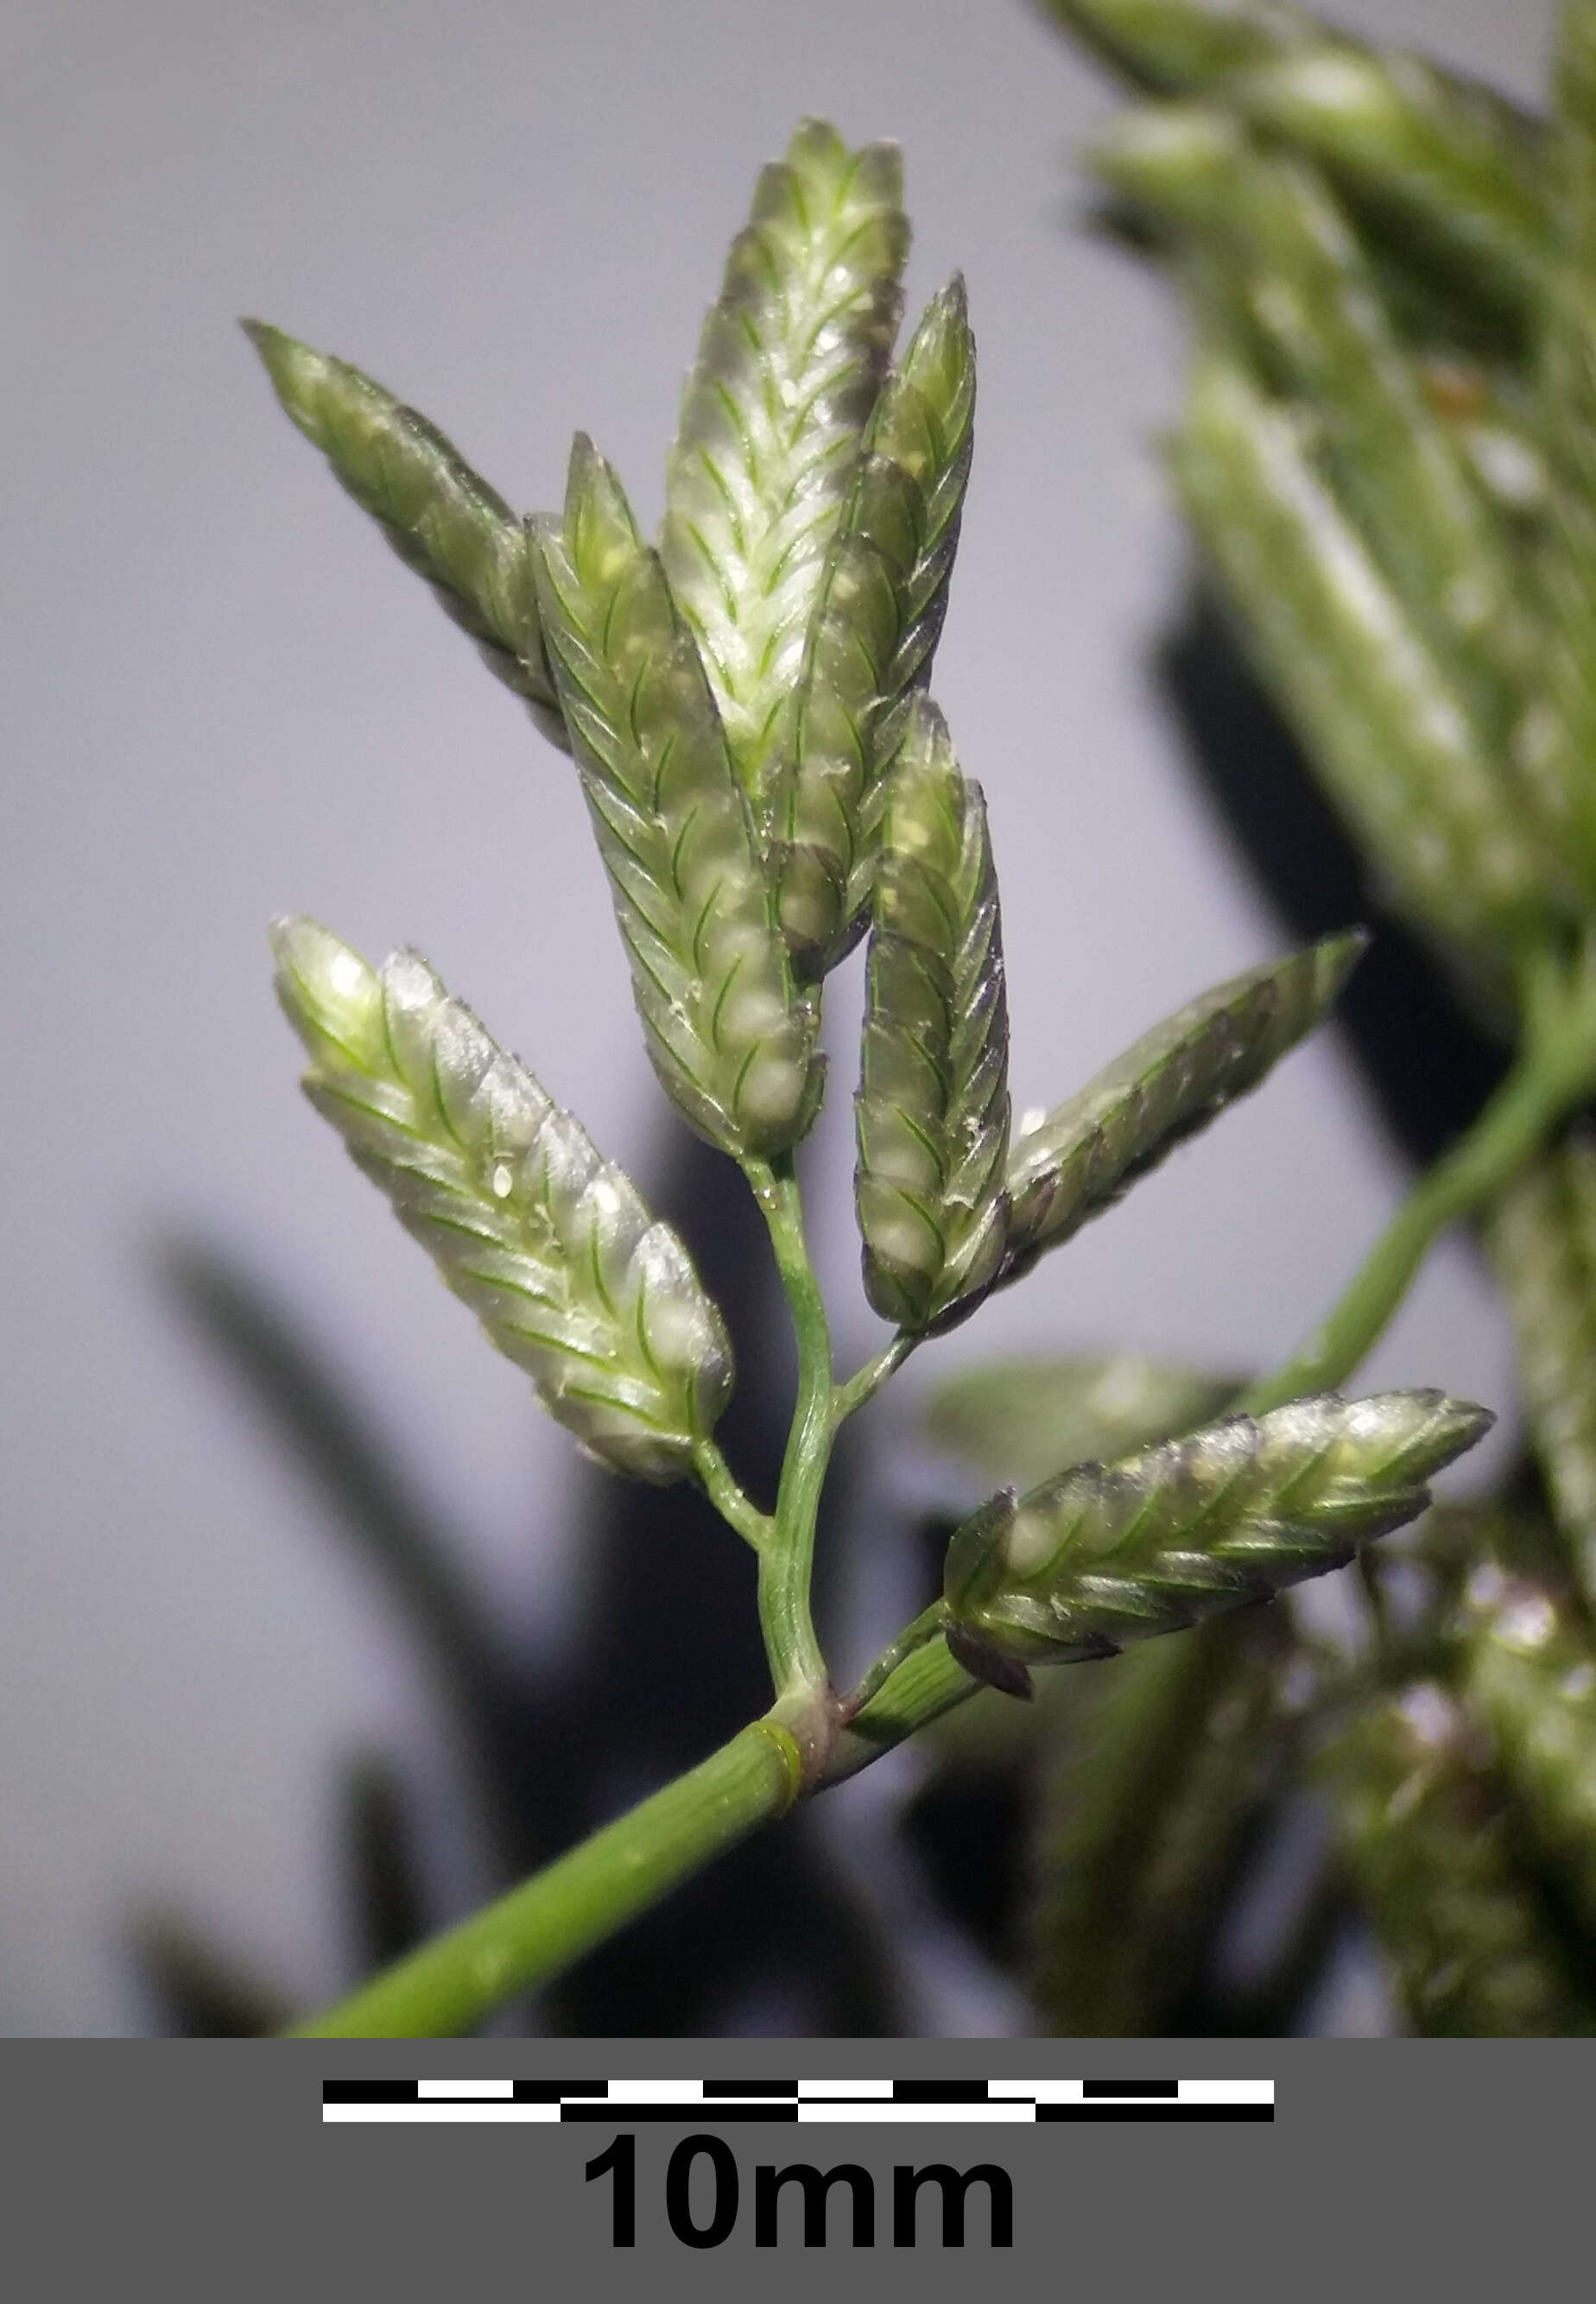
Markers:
{"x": 1387, "y": 459}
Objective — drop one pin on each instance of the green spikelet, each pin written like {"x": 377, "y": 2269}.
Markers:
{"x": 1166, "y": 1087}
{"x": 1277, "y": 249}
{"x": 790, "y": 362}
{"x": 1448, "y": 176}
{"x": 550, "y": 1246}
{"x": 1484, "y": 412}
{"x": 1567, "y": 349}
{"x": 1143, "y": 1800}
{"x": 1389, "y": 732}
{"x": 1529, "y": 1675}
{"x": 441, "y": 519}
{"x": 908, "y": 497}
{"x": 727, "y": 1035}
{"x": 1184, "y": 46}
{"x": 1459, "y": 169}
{"x": 1559, "y": 731}
{"x": 1543, "y": 1239}
{"x": 873, "y": 637}
{"x": 932, "y": 1113}
{"x": 1105, "y": 1554}
{"x": 1427, "y": 1841}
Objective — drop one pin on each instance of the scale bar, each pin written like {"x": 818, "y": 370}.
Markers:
{"x": 875, "y": 2103}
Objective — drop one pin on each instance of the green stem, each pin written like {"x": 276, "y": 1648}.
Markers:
{"x": 867, "y": 1381}
{"x": 922, "y": 1688}
{"x": 787, "y": 1558}
{"x": 447, "y": 1987}
{"x": 730, "y": 1500}
{"x": 925, "y": 1627}
{"x": 1554, "y": 1071}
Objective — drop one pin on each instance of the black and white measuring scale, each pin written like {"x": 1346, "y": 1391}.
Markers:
{"x": 712, "y": 2102}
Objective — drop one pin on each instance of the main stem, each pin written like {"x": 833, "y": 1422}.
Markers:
{"x": 448, "y": 1986}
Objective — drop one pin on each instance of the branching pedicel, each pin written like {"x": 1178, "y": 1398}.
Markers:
{"x": 766, "y": 777}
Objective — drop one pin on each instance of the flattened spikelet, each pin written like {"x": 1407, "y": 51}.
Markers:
{"x": 731, "y": 1042}
{"x": 931, "y": 1114}
{"x": 440, "y": 517}
{"x": 789, "y": 365}
{"x": 872, "y": 638}
{"x": 551, "y": 1245}
{"x": 1165, "y": 1088}
{"x": 1105, "y": 1554}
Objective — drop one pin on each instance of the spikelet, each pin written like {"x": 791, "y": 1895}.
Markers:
{"x": 1561, "y": 726}
{"x": 1387, "y": 728}
{"x": 1273, "y": 248}
{"x": 873, "y": 637}
{"x": 932, "y": 1113}
{"x": 1105, "y": 1554}
{"x": 442, "y": 519}
{"x": 1529, "y": 1675}
{"x": 731, "y": 1042}
{"x": 1427, "y": 1837}
{"x": 790, "y": 362}
{"x": 1143, "y": 1798}
{"x": 1542, "y": 1242}
{"x": 551, "y": 1245}
{"x": 1450, "y": 174}
{"x": 1453, "y": 169}
{"x": 1166, "y": 1086}
{"x": 1184, "y": 46}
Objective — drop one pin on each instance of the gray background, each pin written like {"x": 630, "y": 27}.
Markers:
{"x": 225, "y": 699}
{"x": 1449, "y": 2168}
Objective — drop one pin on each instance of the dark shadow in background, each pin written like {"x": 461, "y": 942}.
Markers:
{"x": 664, "y": 1663}
{"x": 1427, "y": 1065}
